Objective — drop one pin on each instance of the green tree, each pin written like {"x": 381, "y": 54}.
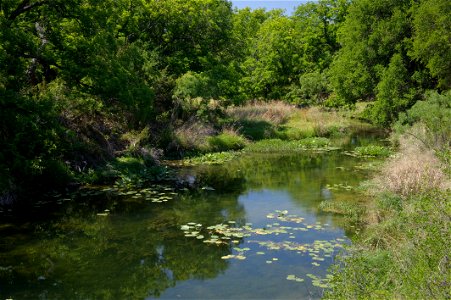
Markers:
{"x": 189, "y": 35}
{"x": 371, "y": 34}
{"x": 432, "y": 38}
{"x": 274, "y": 62}
{"x": 394, "y": 92}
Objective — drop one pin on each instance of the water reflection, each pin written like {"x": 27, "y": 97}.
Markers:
{"x": 138, "y": 251}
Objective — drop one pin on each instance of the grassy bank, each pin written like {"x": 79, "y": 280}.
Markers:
{"x": 264, "y": 127}
{"x": 404, "y": 251}
{"x": 279, "y": 120}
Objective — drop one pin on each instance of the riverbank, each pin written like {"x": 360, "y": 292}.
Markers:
{"x": 404, "y": 250}
{"x": 115, "y": 155}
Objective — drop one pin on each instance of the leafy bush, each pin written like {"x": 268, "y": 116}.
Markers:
{"x": 314, "y": 86}
{"x": 314, "y": 142}
{"x": 192, "y": 85}
{"x": 434, "y": 114}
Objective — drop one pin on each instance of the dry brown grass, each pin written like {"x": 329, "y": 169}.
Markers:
{"x": 414, "y": 170}
{"x": 274, "y": 112}
{"x": 193, "y": 135}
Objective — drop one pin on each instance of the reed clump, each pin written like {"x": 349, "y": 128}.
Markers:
{"x": 414, "y": 170}
{"x": 273, "y": 112}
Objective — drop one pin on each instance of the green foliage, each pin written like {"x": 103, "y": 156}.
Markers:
{"x": 432, "y": 34}
{"x": 272, "y": 65}
{"x": 403, "y": 256}
{"x": 226, "y": 141}
{"x": 372, "y": 150}
{"x": 210, "y": 158}
{"x": 192, "y": 85}
{"x": 276, "y": 145}
{"x": 190, "y": 35}
{"x": 314, "y": 86}
{"x": 128, "y": 172}
{"x": 371, "y": 34}
{"x": 284, "y": 48}
{"x": 391, "y": 52}
{"x": 434, "y": 114}
{"x": 393, "y": 93}
{"x": 30, "y": 137}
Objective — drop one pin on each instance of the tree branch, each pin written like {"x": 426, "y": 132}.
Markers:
{"x": 24, "y": 7}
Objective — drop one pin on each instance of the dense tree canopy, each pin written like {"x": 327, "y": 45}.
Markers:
{"x": 76, "y": 74}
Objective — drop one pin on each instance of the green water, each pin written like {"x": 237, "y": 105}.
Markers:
{"x": 101, "y": 245}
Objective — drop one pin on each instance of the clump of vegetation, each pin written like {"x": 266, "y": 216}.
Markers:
{"x": 413, "y": 173}
{"x": 210, "y": 158}
{"x": 192, "y": 135}
{"x": 316, "y": 121}
{"x": 273, "y": 112}
{"x": 259, "y": 120}
{"x": 277, "y": 145}
{"x": 227, "y": 140}
{"x": 352, "y": 211}
{"x": 372, "y": 150}
{"x": 128, "y": 171}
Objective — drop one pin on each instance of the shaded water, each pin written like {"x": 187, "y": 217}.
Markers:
{"x": 126, "y": 247}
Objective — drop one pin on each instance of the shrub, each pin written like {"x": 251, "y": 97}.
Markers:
{"x": 432, "y": 119}
{"x": 192, "y": 85}
{"x": 314, "y": 86}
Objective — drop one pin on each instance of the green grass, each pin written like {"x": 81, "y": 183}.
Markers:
{"x": 372, "y": 150}
{"x": 405, "y": 256}
{"x": 277, "y": 120}
{"x": 225, "y": 141}
{"x": 277, "y": 145}
{"x": 256, "y": 129}
{"x": 352, "y": 211}
{"x": 210, "y": 158}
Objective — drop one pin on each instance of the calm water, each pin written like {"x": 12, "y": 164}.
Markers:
{"x": 276, "y": 243}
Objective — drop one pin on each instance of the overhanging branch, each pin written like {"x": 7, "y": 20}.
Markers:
{"x": 24, "y": 7}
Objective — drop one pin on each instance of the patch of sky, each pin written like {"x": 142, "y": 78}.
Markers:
{"x": 288, "y": 6}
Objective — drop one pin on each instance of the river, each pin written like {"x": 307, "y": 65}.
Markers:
{"x": 252, "y": 228}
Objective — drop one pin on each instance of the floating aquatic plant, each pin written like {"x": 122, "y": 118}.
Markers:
{"x": 295, "y": 278}
{"x": 230, "y": 233}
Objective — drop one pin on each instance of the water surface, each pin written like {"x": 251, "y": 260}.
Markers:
{"x": 128, "y": 247}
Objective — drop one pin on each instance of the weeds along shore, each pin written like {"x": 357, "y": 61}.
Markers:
{"x": 404, "y": 251}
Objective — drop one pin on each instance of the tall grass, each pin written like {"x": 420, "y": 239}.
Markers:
{"x": 276, "y": 119}
{"x": 405, "y": 253}
{"x": 274, "y": 112}
{"x": 192, "y": 135}
{"x": 316, "y": 121}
